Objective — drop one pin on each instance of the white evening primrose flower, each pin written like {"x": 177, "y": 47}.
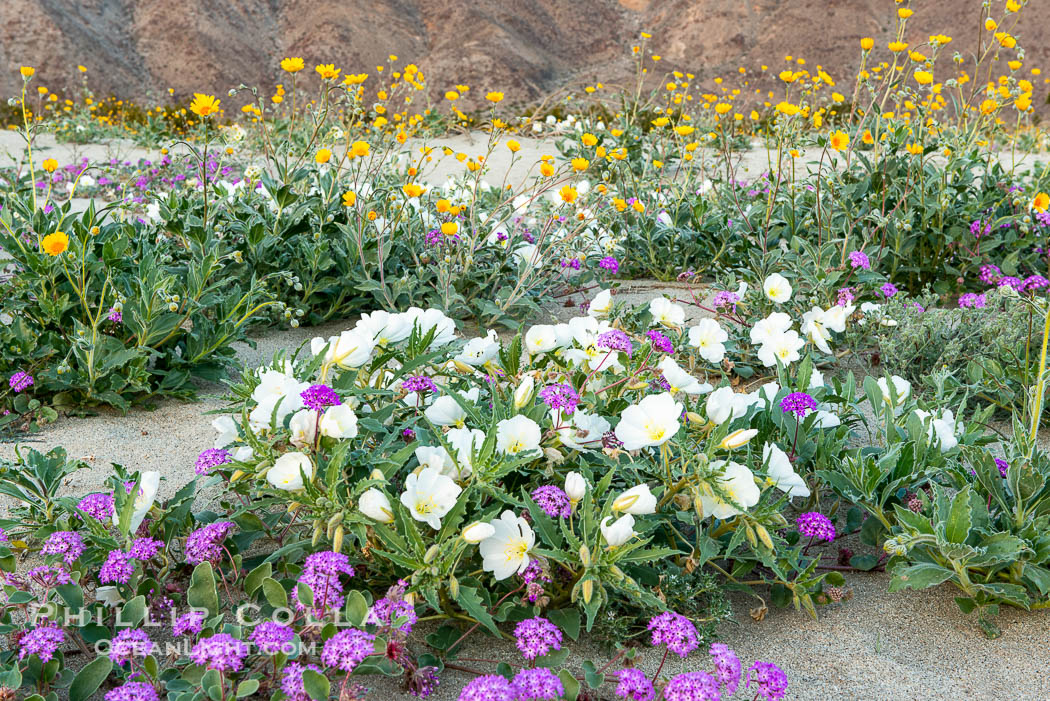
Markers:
{"x": 835, "y": 317}
{"x": 435, "y": 457}
{"x": 738, "y": 438}
{"x": 777, "y": 288}
{"x": 942, "y": 429}
{"x": 902, "y": 388}
{"x": 479, "y": 351}
{"x": 506, "y": 552}
{"x": 724, "y": 404}
{"x": 636, "y": 500}
{"x": 350, "y": 349}
{"x": 432, "y": 319}
{"x": 541, "y": 339}
{"x": 385, "y": 329}
{"x": 303, "y": 428}
{"x": 149, "y": 485}
{"x": 770, "y": 327}
{"x": 276, "y": 384}
{"x": 446, "y": 411}
{"x": 601, "y": 304}
{"x": 289, "y": 471}
{"x": 666, "y": 312}
{"x": 226, "y": 427}
{"x": 679, "y": 379}
{"x": 621, "y": 530}
{"x": 376, "y": 506}
{"x": 108, "y": 596}
{"x": 780, "y": 473}
{"x": 518, "y": 434}
{"x": 465, "y": 442}
{"x": 709, "y": 338}
{"x": 429, "y": 495}
{"x": 339, "y": 422}
{"x": 783, "y": 349}
{"x": 650, "y": 422}
{"x": 738, "y": 483}
{"x": 581, "y": 431}
{"x": 575, "y": 487}
{"x": 477, "y": 532}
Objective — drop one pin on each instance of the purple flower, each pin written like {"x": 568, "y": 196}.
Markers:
{"x": 536, "y": 637}
{"x": 41, "y": 641}
{"x": 1035, "y": 282}
{"x": 813, "y": 524}
{"x": 100, "y": 506}
{"x": 211, "y": 458}
{"x": 560, "y": 396}
{"x": 205, "y": 543}
{"x": 971, "y": 300}
{"x": 129, "y": 644}
{"x": 489, "y": 687}
{"x": 989, "y": 274}
{"x": 888, "y": 290}
{"x": 347, "y": 648}
{"x": 292, "y": 680}
{"x": 859, "y": 259}
{"x": 221, "y": 652}
{"x": 20, "y": 381}
{"x": 554, "y": 502}
{"x": 188, "y": 623}
{"x": 675, "y": 631}
{"x": 725, "y": 299}
{"x": 65, "y": 543}
{"x": 539, "y": 684}
{"x": 145, "y": 548}
{"x": 1002, "y": 465}
{"x": 321, "y": 575}
{"x": 845, "y": 297}
{"x": 271, "y": 637}
{"x": 727, "y": 667}
{"x": 634, "y": 685}
{"x": 609, "y": 263}
{"x": 660, "y": 342}
{"x": 47, "y": 576}
{"x": 117, "y": 568}
{"x": 418, "y": 383}
{"x": 318, "y": 397}
{"x": 392, "y": 608}
{"x": 133, "y": 691}
{"x": 692, "y": 686}
{"x": 115, "y": 315}
{"x": 798, "y": 403}
{"x": 615, "y": 340}
{"x": 771, "y": 681}
{"x": 1012, "y": 282}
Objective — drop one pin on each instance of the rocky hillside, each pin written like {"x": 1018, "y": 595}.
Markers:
{"x": 526, "y": 48}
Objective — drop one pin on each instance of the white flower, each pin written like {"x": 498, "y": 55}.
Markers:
{"x": 425, "y": 320}
{"x": 109, "y": 596}
{"x": 375, "y": 505}
{"x": 303, "y": 427}
{"x": 780, "y": 472}
{"x": 814, "y": 328}
{"x": 621, "y": 531}
{"x": 738, "y": 483}
{"x": 575, "y": 486}
{"x": 227, "y": 429}
{"x": 601, "y": 304}
{"x": 636, "y": 500}
{"x": 429, "y": 495}
{"x": 770, "y": 327}
{"x": 709, "y": 339}
{"x": 783, "y": 349}
{"x": 523, "y": 392}
{"x": 942, "y": 427}
{"x": 259, "y": 418}
{"x": 478, "y": 531}
{"x": 738, "y": 438}
{"x": 435, "y": 457}
{"x": 274, "y": 384}
{"x": 835, "y": 317}
{"x": 777, "y": 288}
{"x": 666, "y": 312}
{"x": 465, "y": 442}
{"x": 650, "y": 422}
{"x": 385, "y": 328}
{"x": 339, "y": 422}
{"x": 902, "y": 389}
{"x": 506, "y": 551}
{"x": 289, "y": 470}
{"x": 724, "y": 404}
{"x": 540, "y": 339}
{"x": 528, "y": 254}
{"x": 582, "y": 432}
{"x": 826, "y": 419}
{"x": 350, "y": 349}
{"x": 679, "y": 379}
{"x": 446, "y": 411}
{"x": 149, "y": 484}
{"x": 243, "y": 453}
{"x": 518, "y": 434}
{"x": 479, "y": 351}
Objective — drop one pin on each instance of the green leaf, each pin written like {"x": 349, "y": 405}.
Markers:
{"x": 133, "y": 612}
{"x": 247, "y": 688}
{"x": 572, "y": 687}
{"x": 568, "y": 620}
{"x": 356, "y": 608}
{"x": 316, "y": 685}
{"x": 203, "y": 593}
{"x": 957, "y": 529}
{"x": 919, "y": 576}
{"x": 471, "y": 602}
{"x": 90, "y": 678}
{"x": 255, "y": 578}
{"x": 275, "y": 594}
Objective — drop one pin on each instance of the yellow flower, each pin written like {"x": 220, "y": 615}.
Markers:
{"x": 580, "y": 164}
{"x": 412, "y": 189}
{"x": 327, "y": 71}
{"x": 359, "y": 149}
{"x": 897, "y": 46}
{"x": 638, "y": 206}
{"x": 451, "y": 95}
{"x": 56, "y": 243}
{"x": 839, "y": 140}
{"x": 661, "y": 122}
{"x": 292, "y": 65}
{"x": 794, "y": 153}
{"x": 723, "y": 107}
{"x": 449, "y": 228}
{"x": 787, "y": 108}
{"x": 442, "y": 205}
{"x": 50, "y": 165}
{"x": 323, "y": 156}
{"x": 204, "y": 105}
{"x": 905, "y": 13}
{"x": 546, "y": 169}
{"x": 27, "y": 71}
{"x": 989, "y": 106}
{"x": 82, "y": 69}
{"x": 349, "y": 198}
{"x": 867, "y": 137}
{"x": 589, "y": 139}
{"x": 684, "y": 130}
{"x": 867, "y": 43}
{"x": 658, "y": 164}
{"x": 914, "y": 149}
{"x": 923, "y": 77}
{"x": 1012, "y": 6}
{"x": 494, "y": 97}
{"x": 1040, "y": 204}
{"x": 514, "y": 146}
{"x": 568, "y": 194}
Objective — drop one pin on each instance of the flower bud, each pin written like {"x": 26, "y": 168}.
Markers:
{"x": 376, "y": 506}
{"x": 432, "y": 553}
{"x": 453, "y": 587}
{"x": 337, "y": 539}
{"x": 585, "y": 555}
{"x": 763, "y": 535}
{"x": 524, "y": 391}
{"x": 738, "y": 438}
{"x": 378, "y": 475}
{"x": 695, "y": 418}
{"x": 477, "y": 532}
{"x": 575, "y": 486}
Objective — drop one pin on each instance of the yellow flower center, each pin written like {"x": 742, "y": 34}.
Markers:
{"x": 516, "y": 550}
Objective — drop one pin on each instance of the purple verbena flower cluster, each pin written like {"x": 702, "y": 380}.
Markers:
{"x": 133, "y": 691}
{"x": 888, "y": 289}
{"x": 859, "y": 259}
{"x": 675, "y": 631}
{"x": 346, "y": 649}
{"x": 659, "y": 341}
{"x": 211, "y": 458}
{"x": 989, "y": 274}
{"x": 20, "y": 381}
{"x": 319, "y": 397}
{"x": 725, "y": 299}
{"x": 118, "y": 567}
{"x": 538, "y": 684}
{"x": 553, "y": 500}
{"x": 488, "y": 687}
{"x": 99, "y": 506}
{"x": 727, "y": 667}
{"x": 536, "y": 637}
{"x": 68, "y": 544}
{"x": 692, "y": 686}
{"x": 560, "y": 396}
{"x": 42, "y": 641}
{"x": 145, "y": 548}
{"x": 128, "y": 644}
{"x": 615, "y": 340}
{"x": 418, "y": 384}
{"x": 1002, "y": 465}
{"x": 188, "y": 623}
{"x": 272, "y": 637}
{"x": 205, "y": 543}
{"x": 221, "y": 652}
{"x": 609, "y": 263}
{"x": 634, "y": 685}
{"x": 814, "y": 524}
{"x": 321, "y": 573}
{"x": 972, "y": 300}
{"x": 392, "y": 608}
{"x": 798, "y": 403}
{"x": 770, "y": 680}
